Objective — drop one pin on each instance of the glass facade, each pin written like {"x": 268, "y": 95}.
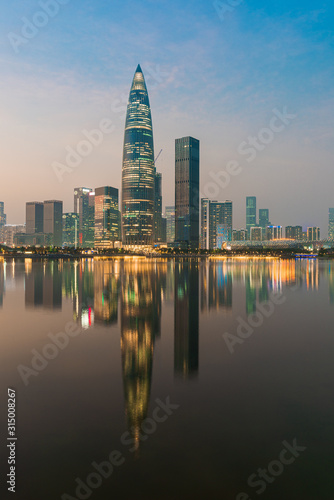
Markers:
{"x": 84, "y": 207}
{"x": 331, "y": 224}
{"x": 138, "y": 170}
{"x": 214, "y": 214}
{"x": 187, "y": 191}
{"x": 34, "y": 217}
{"x": 53, "y": 222}
{"x": 70, "y": 229}
{"x": 250, "y": 213}
{"x": 106, "y": 217}
{"x": 170, "y": 228}
{"x": 2, "y": 221}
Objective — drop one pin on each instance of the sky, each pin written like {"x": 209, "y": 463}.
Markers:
{"x": 252, "y": 80}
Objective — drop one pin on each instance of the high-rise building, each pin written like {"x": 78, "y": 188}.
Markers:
{"x": 256, "y": 233}
{"x": 3, "y": 221}
{"x": 294, "y": 232}
{"x": 53, "y": 222}
{"x": 205, "y": 219}
{"x": 250, "y": 213}
{"x": 10, "y": 231}
{"x": 170, "y": 226}
{"x": 274, "y": 233}
{"x": 107, "y": 217}
{"x": 84, "y": 207}
{"x": 313, "y": 233}
{"x": 239, "y": 235}
{"x": 70, "y": 229}
{"x": 138, "y": 170}
{"x": 34, "y": 217}
{"x": 331, "y": 224}
{"x": 158, "y": 236}
{"x": 187, "y": 192}
{"x": 214, "y": 214}
{"x": 264, "y": 221}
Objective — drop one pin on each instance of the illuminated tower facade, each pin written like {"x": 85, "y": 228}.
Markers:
{"x": 138, "y": 170}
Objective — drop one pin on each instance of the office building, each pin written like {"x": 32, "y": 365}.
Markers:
{"x": 34, "y": 217}
{"x": 170, "y": 224}
{"x": 84, "y": 207}
{"x": 70, "y": 229}
{"x": 250, "y": 213}
{"x": 294, "y": 232}
{"x": 187, "y": 192}
{"x": 313, "y": 234}
{"x": 53, "y": 222}
{"x": 3, "y": 220}
{"x": 10, "y": 231}
{"x": 256, "y": 233}
{"x": 264, "y": 218}
{"x": 331, "y": 224}
{"x": 205, "y": 217}
{"x": 274, "y": 233}
{"x": 107, "y": 217}
{"x": 239, "y": 235}
{"x": 214, "y": 214}
{"x": 138, "y": 170}
{"x": 158, "y": 233}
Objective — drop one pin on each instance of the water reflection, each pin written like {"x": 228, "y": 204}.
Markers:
{"x": 186, "y": 319}
{"x": 129, "y": 293}
{"x": 140, "y": 325}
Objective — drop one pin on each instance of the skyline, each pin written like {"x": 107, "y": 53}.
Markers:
{"x": 215, "y": 80}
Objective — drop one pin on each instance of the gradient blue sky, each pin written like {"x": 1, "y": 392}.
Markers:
{"x": 218, "y": 80}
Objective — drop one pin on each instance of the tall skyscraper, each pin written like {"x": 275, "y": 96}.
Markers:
{"x": 331, "y": 224}
{"x": 187, "y": 191}
{"x": 3, "y": 221}
{"x": 170, "y": 229}
{"x": 250, "y": 213}
{"x": 216, "y": 217}
{"x": 34, "y": 217}
{"x": 205, "y": 217}
{"x": 84, "y": 207}
{"x": 158, "y": 236}
{"x": 53, "y": 222}
{"x": 107, "y": 217}
{"x": 70, "y": 229}
{"x": 264, "y": 218}
{"x": 138, "y": 170}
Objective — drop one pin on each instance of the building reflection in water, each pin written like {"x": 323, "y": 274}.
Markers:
{"x": 140, "y": 325}
{"x": 186, "y": 318}
{"x": 106, "y": 291}
{"x": 43, "y": 284}
{"x": 215, "y": 286}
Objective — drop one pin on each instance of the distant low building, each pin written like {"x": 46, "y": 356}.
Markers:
{"x": 313, "y": 234}
{"x": 256, "y": 233}
{"x": 294, "y": 232}
{"x": 239, "y": 235}
{"x": 10, "y": 231}
{"x": 274, "y": 233}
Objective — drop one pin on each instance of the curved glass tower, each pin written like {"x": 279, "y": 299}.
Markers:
{"x": 138, "y": 170}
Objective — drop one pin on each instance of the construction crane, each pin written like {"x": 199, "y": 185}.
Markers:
{"x": 157, "y": 157}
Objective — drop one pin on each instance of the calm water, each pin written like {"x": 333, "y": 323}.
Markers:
{"x": 147, "y": 331}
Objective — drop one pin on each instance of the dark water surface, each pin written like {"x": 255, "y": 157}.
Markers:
{"x": 240, "y": 351}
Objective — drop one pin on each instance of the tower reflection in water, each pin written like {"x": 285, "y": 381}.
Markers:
{"x": 140, "y": 325}
{"x": 186, "y": 319}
